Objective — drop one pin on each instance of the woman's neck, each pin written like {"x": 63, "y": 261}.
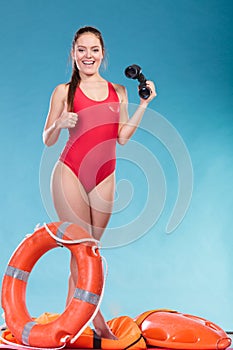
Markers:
{"x": 90, "y": 78}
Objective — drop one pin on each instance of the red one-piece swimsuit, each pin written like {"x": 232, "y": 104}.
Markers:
{"x": 90, "y": 151}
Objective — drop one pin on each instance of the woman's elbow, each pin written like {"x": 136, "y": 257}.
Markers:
{"x": 47, "y": 142}
{"x": 123, "y": 136}
{"x": 122, "y": 140}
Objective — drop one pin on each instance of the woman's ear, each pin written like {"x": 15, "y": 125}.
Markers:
{"x": 72, "y": 54}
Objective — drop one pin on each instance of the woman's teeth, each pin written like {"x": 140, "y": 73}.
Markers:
{"x": 88, "y": 62}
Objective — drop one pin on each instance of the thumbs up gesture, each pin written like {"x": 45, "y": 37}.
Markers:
{"x": 67, "y": 119}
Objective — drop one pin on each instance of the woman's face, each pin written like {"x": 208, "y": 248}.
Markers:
{"x": 88, "y": 53}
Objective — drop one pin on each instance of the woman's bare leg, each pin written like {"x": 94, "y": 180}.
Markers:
{"x": 73, "y": 204}
{"x": 70, "y": 198}
{"x": 101, "y": 200}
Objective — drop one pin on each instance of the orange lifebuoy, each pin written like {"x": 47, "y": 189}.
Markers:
{"x": 86, "y": 297}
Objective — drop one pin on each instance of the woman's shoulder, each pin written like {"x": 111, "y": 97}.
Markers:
{"x": 121, "y": 91}
{"x": 118, "y": 87}
{"x": 61, "y": 91}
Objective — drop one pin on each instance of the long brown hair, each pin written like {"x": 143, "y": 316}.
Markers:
{"x": 75, "y": 77}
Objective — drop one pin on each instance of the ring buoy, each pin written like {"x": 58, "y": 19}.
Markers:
{"x": 84, "y": 302}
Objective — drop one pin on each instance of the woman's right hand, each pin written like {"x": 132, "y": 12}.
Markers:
{"x": 67, "y": 119}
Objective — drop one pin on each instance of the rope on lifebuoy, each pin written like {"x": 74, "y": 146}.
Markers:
{"x": 75, "y": 241}
{"x": 66, "y": 241}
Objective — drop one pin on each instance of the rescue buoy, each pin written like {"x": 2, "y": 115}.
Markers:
{"x": 174, "y": 330}
{"x": 85, "y": 301}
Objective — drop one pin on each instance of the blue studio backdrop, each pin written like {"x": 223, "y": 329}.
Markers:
{"x": 186, "y": 48}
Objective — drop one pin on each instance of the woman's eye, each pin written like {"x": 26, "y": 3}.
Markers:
{"x": 80, "y": 50}
{"x": 96, "y": 50}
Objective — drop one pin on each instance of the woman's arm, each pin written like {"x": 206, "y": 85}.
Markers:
{"x": 127, "y": 126}
{"x": 58, "y": 116}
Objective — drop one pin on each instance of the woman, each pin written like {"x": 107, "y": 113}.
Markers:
{"x": 83, "y": 180}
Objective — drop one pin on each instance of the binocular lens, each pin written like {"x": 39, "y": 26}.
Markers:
{"x": 133, "y": 71}
{"x": 144, "y": 92}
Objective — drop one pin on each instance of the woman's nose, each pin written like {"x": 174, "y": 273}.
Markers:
{"x": 88, "y": 53}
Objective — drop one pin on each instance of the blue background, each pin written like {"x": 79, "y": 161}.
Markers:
{"x": 186, "y": 47}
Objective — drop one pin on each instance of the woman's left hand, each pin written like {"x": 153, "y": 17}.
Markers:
{"x": 153, "y": 94}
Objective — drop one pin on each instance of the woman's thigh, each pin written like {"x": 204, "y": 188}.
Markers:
{"x": 101, "y": 202}
{"x": 70, "y": 199}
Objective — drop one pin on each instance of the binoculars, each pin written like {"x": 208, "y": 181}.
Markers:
{"x": 135, "y": 72}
